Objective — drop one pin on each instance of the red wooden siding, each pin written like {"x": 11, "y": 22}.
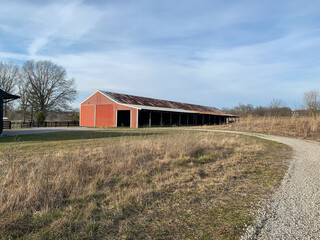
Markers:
{"x": 98, "y": 98}
{"x": 87, "y": 115}
{"x": 105, "y": 116}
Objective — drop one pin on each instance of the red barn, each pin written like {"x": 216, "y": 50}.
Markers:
{"x": 109, "y": 109}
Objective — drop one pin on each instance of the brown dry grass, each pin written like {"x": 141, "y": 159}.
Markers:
{"x": 300, "y": 127}
{"x": 178, "y": 185}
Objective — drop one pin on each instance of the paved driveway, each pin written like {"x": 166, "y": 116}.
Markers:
{"x": 15, "y": 132}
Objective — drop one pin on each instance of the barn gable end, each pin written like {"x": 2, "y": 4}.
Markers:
{"x": 100, "y": 110}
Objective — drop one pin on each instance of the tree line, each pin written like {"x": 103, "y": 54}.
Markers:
{"x": 277, "y": 107}
{"x": 43, "y": 87}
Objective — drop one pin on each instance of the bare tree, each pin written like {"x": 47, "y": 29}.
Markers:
{"x": 24, "y": 106}
{"x": 276, "y": 103}
{"x": 312, "y": 101}
{"x": 47, "y": 86}
{"x": 9, "y": 75}
{"x": 277, "y": 108}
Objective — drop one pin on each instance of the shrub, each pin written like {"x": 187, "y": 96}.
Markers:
{"x": 75, "y": 117}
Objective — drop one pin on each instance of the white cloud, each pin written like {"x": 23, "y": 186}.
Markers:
{"x": 39, "y": 25}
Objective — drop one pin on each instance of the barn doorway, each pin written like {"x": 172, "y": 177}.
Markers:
{"x": 123, "y": 118}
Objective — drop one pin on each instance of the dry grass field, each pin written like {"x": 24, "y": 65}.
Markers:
{"x": 301, "y": 127}
{"x": 134, "y": 184}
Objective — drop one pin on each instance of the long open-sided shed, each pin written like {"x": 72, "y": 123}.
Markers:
{"x": 4, "y": 98}
{"x": 109, "y": 109}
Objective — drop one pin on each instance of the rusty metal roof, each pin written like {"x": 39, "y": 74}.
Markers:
{"x": 152, "y": 102}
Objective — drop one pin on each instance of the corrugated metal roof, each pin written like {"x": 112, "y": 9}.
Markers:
{"x": 159, "y": 108}
{"x": 154, "y": 104}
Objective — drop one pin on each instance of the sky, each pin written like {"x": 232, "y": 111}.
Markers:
{"x": 207, "y": 52}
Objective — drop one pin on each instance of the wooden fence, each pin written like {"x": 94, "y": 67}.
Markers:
{"x": 18, "y": 124}
{"x": 6, "y": 124}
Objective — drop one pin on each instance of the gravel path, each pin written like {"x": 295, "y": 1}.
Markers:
{"x": 294, "y": 212}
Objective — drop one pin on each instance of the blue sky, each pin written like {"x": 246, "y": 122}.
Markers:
{"x": 216, "y": 53}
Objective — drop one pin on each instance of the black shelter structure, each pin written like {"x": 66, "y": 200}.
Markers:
{"x": 5, "y": 98}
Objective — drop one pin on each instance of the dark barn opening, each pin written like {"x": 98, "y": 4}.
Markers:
{"x": 152, "y": 118}
{"x": 184, "y": 118}
{"x": 175, "y": 119}
{"x": 191, "y": 119}
{"x": 143, "y": 118}
{"x": 123, "y": 118}
{"x": 155, "y": 119}
{"x": 166, "y": 119}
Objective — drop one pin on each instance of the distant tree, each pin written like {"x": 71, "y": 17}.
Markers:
{"x": 277, "y": 108}
{"x": 312, "y": 101}
{"x": 9, "y": 75}
{"x": 260, "y": 111}
{"x": 47, "y": 87}
{"x": 276, "y": 103}
{"x": 242, "y": 110}
{"x": 24, "y": 107}
{"x": 284, "y": 112}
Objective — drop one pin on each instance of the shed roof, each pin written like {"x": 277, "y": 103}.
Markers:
{"x": 162, "y": 105}
{"x": 7, "y": 96}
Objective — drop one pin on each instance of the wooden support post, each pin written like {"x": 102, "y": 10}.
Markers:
{"x": 179, "y": 119}
{"x": 202, "y": 120}
{"x": 187, "y": 120}
{"x": 161, "y": 122}
{"x": 209, "y": 119}
{"x": 150, "y": 119}
{"x": 171, "y": 119}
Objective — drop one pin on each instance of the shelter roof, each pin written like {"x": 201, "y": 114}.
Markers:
{"x": 158, "y": 104}
{"x": 7, "y": 96}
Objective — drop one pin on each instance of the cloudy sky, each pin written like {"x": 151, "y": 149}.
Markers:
{"x": 216, "y": 53}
